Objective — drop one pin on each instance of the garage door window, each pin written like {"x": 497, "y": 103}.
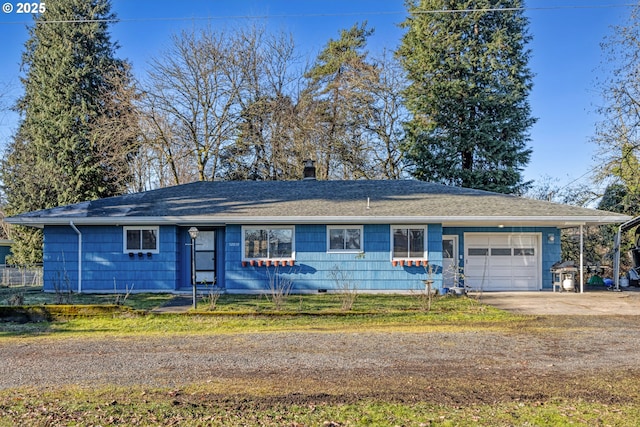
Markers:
{"x": 500, "y": 251}
{"x": 478, "y": 252}
{"x": 524, "y": 251}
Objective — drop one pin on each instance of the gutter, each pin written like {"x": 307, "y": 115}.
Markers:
{"x": 447, "y": 221}
{"x": 72, "y": 225}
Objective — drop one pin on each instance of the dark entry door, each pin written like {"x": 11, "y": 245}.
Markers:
{"x": 206, "y": 257}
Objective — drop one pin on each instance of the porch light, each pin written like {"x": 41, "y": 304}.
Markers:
{"x": 193, "y": 232}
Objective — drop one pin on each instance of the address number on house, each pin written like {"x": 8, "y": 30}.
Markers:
{"x": 34, "y": 7}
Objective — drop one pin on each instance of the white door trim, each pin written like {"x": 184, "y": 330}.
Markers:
{"x": 449, "y": 267}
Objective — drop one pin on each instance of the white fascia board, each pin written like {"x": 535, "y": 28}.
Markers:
{"x": 447, "y": 221}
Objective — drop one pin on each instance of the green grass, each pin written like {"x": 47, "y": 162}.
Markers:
{"x": 33, "y": 295}
{"x": 243, "y": 314}
{"x": 189, "y": 407}
{"x": 323, "y": 303}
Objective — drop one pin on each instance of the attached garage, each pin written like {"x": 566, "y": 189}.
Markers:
{"x": 502, "y": 261}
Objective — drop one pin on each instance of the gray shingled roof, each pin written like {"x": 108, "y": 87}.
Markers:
{"x": 310, "y": 201}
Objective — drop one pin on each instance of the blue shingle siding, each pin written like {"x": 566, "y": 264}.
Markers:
{"x": 105, "y": 267}
{"x": 60, "y": 259}
{"x": 369, "y": 271}
{"x": 103, "y": 260}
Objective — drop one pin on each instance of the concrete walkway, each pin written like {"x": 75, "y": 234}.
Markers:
{"x": 569, "y": 303}
{"x": 177, "y": 304}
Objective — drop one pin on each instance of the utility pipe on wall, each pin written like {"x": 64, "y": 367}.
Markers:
{"x": 79, "y": 255}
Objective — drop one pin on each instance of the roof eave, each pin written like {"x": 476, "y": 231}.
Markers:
{"x": 447, "y": 221}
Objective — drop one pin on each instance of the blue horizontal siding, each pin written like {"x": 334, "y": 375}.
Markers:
{"x": 314, "y": 266}
{"x": 105, "y": 268}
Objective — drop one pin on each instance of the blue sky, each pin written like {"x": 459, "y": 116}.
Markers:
{"x": 566, "y": 55}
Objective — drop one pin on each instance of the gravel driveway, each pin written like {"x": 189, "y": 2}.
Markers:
{"x": 451, "y": 366}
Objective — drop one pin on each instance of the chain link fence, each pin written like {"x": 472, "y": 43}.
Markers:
{"x": 21, "y": 276}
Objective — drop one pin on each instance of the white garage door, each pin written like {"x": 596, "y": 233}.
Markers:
{"x": 502, "y": 262}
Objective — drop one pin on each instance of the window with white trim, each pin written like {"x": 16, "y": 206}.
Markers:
{"x": 141, "y": 239}
{"x": 409, "y": 242}
{"x": 344, "y": 238}
{"x": 268, "y": 242}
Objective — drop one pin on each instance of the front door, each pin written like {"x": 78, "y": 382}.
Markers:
{"x": 450, "y": 273}
{"x": 206, "y": 257}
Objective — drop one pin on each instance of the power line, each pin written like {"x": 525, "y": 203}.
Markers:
{"x": 321, "y": 15}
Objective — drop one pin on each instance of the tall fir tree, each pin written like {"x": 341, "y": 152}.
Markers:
{"x": 340, "y": 88}
{"x": 466, "y": 62}
{"x": 58, "y": 154}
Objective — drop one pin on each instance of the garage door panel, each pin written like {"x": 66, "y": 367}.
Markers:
{"x": 501, "y": 284}
{"x": 501, "y": 272}
{"x": 497, "y": 262}
{"x": 499, "y": 240}
{"x": 477, "y": 262}
{"x": 481, "y": 240}
{"x": 521, "y": 241}
{"x": 522, "y": 284}
{"x": 524, "y": 262}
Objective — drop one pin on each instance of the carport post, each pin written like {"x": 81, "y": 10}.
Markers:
{"x": 581, "y": 259}
{"x": 616, "y": 250}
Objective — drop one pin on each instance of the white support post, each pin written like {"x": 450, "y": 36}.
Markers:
{"x": 581, "y": 259}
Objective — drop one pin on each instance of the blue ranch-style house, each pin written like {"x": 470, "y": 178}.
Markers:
{"x": 384, "y": 236}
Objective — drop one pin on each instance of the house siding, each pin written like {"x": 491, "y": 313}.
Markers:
{"x": 104, "y": 265}
{"x": 370, "y": 270}
{"x": 105, "y": 268}
{"x": 551, "y": 251}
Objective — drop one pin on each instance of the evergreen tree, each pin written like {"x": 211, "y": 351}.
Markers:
{"x": 58, "y": 155}
{"x": 340, "y": 90}
{"x": 466, "y": 61}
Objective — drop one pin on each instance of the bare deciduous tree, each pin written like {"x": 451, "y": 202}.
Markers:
{"x": 266, "y": 144}
{"x": 193, "y": 88}
{"x": 238, "y": 105}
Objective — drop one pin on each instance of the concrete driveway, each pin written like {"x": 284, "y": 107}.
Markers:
{"x": 569, "y": 303}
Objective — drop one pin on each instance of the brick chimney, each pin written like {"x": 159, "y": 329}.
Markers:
{"x": 309, "y": 172}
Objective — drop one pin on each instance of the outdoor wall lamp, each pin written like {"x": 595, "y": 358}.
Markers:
{"x": 193, "y": 233}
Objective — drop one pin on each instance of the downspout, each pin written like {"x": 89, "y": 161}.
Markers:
{"x": 72, "y": 225}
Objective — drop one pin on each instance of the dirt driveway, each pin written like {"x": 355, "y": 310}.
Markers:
{"x": 566, "y": 303}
